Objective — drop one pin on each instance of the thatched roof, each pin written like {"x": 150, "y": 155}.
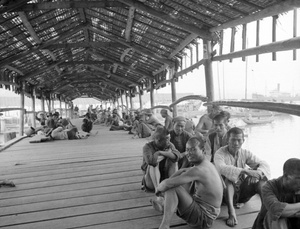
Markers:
{"x": 103, "y": 48}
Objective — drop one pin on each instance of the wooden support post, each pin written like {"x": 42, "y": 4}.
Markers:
{"x": 49, "y": 105}
{"x": 42, "y": 103}
{"x": 274, "y": 34}
{"x": 131, "y": 102}
{"x": 208, "y": 71}
{"x": 151, "y": 93}
{"x": 33, "y": 108}
{"x": 122, "y": 103}
{"x": 197, "y": 52}
{"x": 221, "y": 42}
{"x": 173, "y": 88}
{"x": 192, "y": 55}
{"x": 295, "y": 32}
{"x": 257, "y": 37}
{"x": 140, "y": 99}
{"x": 118, "y": 104}
{"x": 60, "y": 110}
{"x": 233, "y": 30}
{"x": 244, "y": 44}
{"x": 22, "y": 111}
{"x": 127, "y": 107}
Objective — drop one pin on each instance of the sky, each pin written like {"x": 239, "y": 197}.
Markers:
{"x": 262, "y": 77}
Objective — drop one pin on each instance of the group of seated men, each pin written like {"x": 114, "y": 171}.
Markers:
{"x": 192, "y": 174}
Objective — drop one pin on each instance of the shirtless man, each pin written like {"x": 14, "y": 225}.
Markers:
{"x": 205, "y": 122}
{"x": 194, "y": 193}
{"x": 168, "y": 119}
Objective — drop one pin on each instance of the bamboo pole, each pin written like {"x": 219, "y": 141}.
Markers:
{"x": 173, "y": 89}
{"x": 295, "y": 32}
{"x": 208, "y": 71}
{"x": 232, "y": 41}
{"x": 22, "y": 105}
{"x": 140, "y": 99}
{"x": 244, "y": 36}
{"x": 33, "y": 108}
{"x": 274, "y": 21}
{"x": 151, "y": 93}
{"x": 131, "y": 102}
{"x": 290, "y": 44}
{"x": 122, "y": 103}
{"x": 126, "y": 100}
{"x": 257, "y": 37}
{"x": 42, "y": 103}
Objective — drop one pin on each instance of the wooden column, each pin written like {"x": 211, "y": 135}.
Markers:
{"x": 60, "y": 110}
{"x": 151, "y": 93}
{"x": 126, "y": 100}
{"x": 257, "y": 37}
{"x": 274, "y": 34}
{"x": 173, "y": 89}
{"x": 131, "y": 102}
{"x": 66, "y": 110}
{"x": 43, "y": 103}
{"x": 33, "y": 108}
{"x": 52, "y": 104}
{"x": 244, "y": 44}
{"x": 295, "y": 32}
{"x": 118, "y": 104}
{"x": 122, "y": 103}
{"x": 208, "y": 71}
{"x": 140, "y": 99}
{"x": 22, "y": 105}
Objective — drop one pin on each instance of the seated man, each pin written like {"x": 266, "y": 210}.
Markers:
{"x": 159, "y": 160}
{"x": 146, "y": 124}
{"x": 194, "y": 193}
{"x": 179, "y": 137}
{"x": 241, "y": 182}
{"x": 168, "y": 119}
{"x": 281, "y": 200}
{"x": 151, "y": 121}
{"x": 205, "y": 122}
{"x": 217, "y": 138}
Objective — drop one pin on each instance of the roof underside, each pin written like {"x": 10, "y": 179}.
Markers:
{"x": 103, "y": 48}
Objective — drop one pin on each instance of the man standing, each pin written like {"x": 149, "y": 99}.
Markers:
{"x": 168, "y": 119}
{"x": 194, "y": 193}
{"x": 233, "y": 164}
{"x": 217, "y": 139}
{"x": 281, "y": 200}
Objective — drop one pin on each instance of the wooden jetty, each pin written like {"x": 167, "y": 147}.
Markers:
{"x": 88, "y": 183}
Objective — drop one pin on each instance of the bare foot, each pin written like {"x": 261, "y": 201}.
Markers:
{"x": 239, "y": 205}
{"x": 157, "y": 205}
{"x": 232, "y": 220}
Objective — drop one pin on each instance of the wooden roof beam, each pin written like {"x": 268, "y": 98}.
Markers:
{"x": 97, "y": 44}
{"x": 205, "y": 34}
{"x": 268, "y": 12}
{"x": 290, "y": 44}
{"x": 129, "y": 24}
{"x": 182, "y": 45}
{"x": 14, "y": 69}
{"x": 35, "y": 37}
{"x": 122, "y": 64}
{"x": 70, "y": 5}
{"x": 114, "y": 75}
{"x": 86, "y": 62}
{"x": 43, "y": 45}
{"x": 135, "y": 47}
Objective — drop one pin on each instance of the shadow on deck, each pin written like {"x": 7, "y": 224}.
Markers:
{"x": 90, "y": 183}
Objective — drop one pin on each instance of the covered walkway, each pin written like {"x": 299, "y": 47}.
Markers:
{"x": 91, "y": 183}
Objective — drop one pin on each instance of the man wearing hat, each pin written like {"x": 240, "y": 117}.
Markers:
{"x": 159, "y": 160}
{"x": 179, "y": 137}
{"x": 168, "y": 119}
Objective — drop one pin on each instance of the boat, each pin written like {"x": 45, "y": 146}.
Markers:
{"x": 257, "y": 120}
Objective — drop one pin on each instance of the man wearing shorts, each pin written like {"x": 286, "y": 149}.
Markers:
{"x": 194, "y": 193}
{"x": 244, "y": 173}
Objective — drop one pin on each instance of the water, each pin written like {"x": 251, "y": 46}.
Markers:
{"x": 273, "y": 142}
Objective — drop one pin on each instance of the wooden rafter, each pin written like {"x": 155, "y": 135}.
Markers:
{"x": 43, "y": 45}
{"x": 10, "y": 83}
{"x": 90, "y": 44}
{"x": 14, "y": 69}
{"x": 268, "y": 12}
{"x": 187, "y": 27}
{"x": 121, "y": 64}
{"x": 35, "y": 37}
{"x": 69, "y": 4}
{"x": 135, "y": 47}
{"x": 86, "y": 62}
{"x": 129, "y": 24}
{"x": 290, "y": 44}
{"x": 182, "y": 45}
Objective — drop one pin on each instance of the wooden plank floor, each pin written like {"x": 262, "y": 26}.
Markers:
{"x": 90, "y": 183}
